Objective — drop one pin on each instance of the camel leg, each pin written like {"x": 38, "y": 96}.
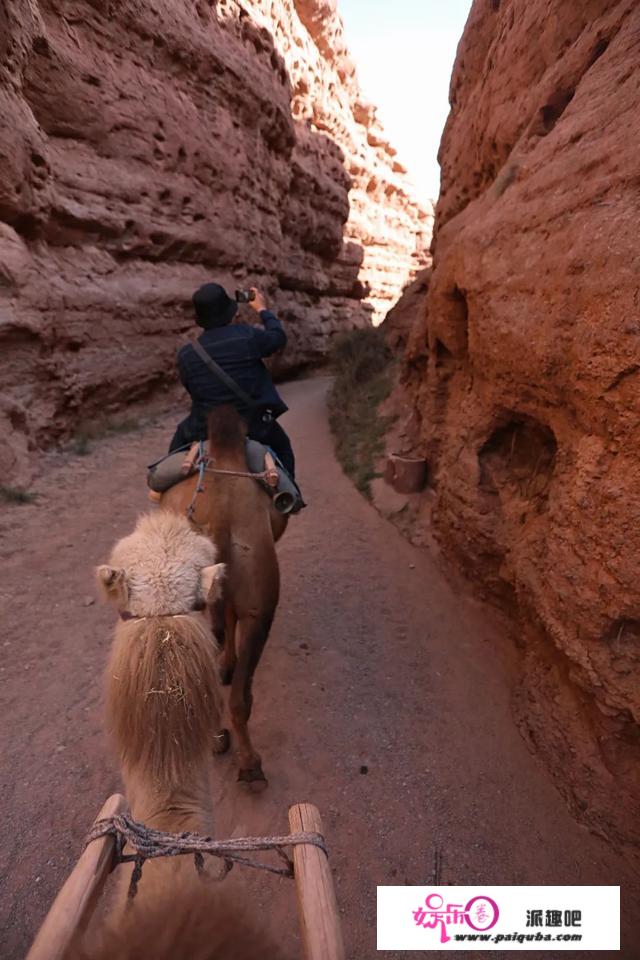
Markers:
{"x": 251, "y": 636}
{"x": 228, "y": 658}
{"x": 217, "y": 616}
{"x": 226, "y": 665}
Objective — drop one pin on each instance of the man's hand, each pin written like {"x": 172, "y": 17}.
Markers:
{"x": 258, "y": 303}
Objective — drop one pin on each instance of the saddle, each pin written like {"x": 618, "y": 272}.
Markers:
{"x": 262, "y": 466}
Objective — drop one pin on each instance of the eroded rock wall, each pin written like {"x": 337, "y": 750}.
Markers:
{"x": 149, "y": 145}
{"x": 523, "y": 370}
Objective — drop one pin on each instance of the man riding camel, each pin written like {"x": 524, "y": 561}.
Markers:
{"x": 224, "y": 366}
{"x": 237, "y": 375}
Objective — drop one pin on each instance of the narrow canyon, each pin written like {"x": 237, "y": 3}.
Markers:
{"x": 148, "y": 146}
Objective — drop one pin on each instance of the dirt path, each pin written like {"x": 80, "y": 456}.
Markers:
{"x": 374, "y": 663}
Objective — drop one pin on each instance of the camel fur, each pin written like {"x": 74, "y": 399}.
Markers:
{"x": 163, "y": 708}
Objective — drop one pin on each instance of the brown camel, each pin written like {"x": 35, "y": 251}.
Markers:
{"x": 239, "y": 517}
{"x": 163, "y": 707}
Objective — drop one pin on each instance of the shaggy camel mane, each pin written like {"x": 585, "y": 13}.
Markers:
{"x": 163, "y": 697}
{"x": 227, "y": 430}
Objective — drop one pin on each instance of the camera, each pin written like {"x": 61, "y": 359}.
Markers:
{"x": 245, "y": 296}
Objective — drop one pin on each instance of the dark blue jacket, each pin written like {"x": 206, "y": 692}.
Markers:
{"x": 238, "y": 348}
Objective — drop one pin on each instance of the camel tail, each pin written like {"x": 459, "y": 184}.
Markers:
{"x": 163, "y": 695}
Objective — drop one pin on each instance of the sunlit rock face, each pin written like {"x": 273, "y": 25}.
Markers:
{"x": 523, "y": 370}
{"x": 147, "y": 146}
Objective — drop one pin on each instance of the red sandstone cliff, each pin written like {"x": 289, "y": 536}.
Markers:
{"x": 146, "y": 147}
{"x": 523, "y": 369}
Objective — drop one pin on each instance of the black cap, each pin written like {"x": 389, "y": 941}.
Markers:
{"x": 214, "y": 308}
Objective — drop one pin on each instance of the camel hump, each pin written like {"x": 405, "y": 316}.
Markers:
{"x": 227, "y": 430}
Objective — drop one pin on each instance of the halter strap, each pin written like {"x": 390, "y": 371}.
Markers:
{"x": 127, "y": 615}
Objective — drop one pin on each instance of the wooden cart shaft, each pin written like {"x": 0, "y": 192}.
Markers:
{"x": 72, "y": 908}
{"x": 317, "y": 907}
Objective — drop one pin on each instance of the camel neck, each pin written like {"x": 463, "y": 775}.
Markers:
{"x": 173, "y": 810}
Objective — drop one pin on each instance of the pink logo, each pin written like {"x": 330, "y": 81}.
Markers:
{"x": 480, "y": 913}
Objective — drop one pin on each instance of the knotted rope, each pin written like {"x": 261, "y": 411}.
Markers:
{"x": 149, "y": 844}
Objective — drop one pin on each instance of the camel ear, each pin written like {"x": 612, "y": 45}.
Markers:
{"x": 112, "y": 583}
{"x": 211, "y": 581}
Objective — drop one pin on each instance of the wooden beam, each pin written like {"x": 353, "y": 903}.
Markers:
{"x": 317, "y": 905}
{"x": 72, "y": 908}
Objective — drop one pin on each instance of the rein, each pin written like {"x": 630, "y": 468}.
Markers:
{"x": 148, "y": 844}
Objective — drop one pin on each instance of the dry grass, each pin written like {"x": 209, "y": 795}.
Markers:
{"x": 16, "y": 495}
{"x": 363, "y": 369}
{"x": 87, "y": 434}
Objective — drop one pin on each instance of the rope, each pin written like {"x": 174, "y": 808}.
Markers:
{"x": 149, "y": 844}
{"x": 238, "y": 473}
{"x": 201, "y": 466}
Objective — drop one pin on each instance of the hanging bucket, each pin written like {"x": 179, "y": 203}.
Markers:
{"x": 406, "y": 474}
